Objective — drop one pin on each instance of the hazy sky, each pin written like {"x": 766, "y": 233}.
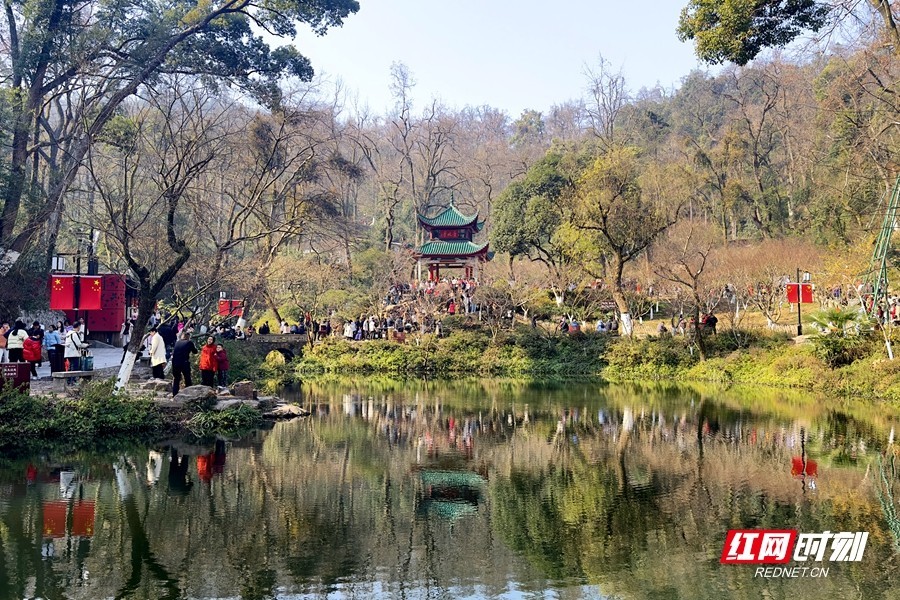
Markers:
{"x": 508, "y": 54}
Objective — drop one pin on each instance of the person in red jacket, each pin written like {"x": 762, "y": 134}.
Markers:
{"x": 208, "y": 363}
{"x": 31, "y": 352}
{"x": 222, "y": 365}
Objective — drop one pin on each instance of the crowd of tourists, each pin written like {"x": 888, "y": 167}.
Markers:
{"x": 61, "y": 343}
{"x": 213, "y": 359}
{"x": 708, "y": 323}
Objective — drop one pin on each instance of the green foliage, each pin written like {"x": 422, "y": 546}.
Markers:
{"x": 465, "y": 351}
{"x": 649, "y": 358}
{"x": 97, "y": 414}
{"x": 738, "y": 30}
{"x": 844, "y": 335}
{"x": 243, "y": 361}
{"x": 528, "y": 212}
{"x": 229, "y": 422}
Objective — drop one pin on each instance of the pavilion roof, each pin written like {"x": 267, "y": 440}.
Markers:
{"x": 451, "y": 217}
{"x": 454, "y": 248}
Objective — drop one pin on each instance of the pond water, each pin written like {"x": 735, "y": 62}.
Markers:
{"x": 472, "y": 489}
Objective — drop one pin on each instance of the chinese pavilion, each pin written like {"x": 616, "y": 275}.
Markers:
{"x": 450, "y": 245}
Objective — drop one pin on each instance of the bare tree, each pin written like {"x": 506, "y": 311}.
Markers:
{"x": 607, "y": 98}
{"x": 684, "y": 258}
{"x": 146, "y": 179}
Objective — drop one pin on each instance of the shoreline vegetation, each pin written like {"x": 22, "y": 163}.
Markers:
{"x": 734, "y": 358}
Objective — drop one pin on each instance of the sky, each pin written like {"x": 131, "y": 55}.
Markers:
{"x": 507, "y": 54}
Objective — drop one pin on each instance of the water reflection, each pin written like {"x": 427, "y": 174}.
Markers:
{"x": 440, "y": 489}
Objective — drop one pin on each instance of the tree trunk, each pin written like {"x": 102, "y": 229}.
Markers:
{"x": 698, "y": 329}
{"x": 618, "y": 294}
{"x": 145, "y": 310}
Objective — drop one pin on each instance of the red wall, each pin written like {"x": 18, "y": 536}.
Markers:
{"x": 112, "y": 307}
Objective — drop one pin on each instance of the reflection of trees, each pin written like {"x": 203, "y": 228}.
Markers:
{"x": 631, "y": 488}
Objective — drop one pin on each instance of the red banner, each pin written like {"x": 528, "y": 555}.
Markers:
{"x": 62, "y": 292}
{"x": 83, "y": 518}
{"x": 91, "y": 293}
{"x": 55, "y": 513}
{"x": 806, "y": 293}
{"x": 231, "y": 308}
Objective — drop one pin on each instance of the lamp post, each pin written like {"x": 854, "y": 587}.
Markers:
{"x": 806, "y": 278}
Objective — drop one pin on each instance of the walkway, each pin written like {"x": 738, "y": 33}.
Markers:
{"x": 103, "y": 358}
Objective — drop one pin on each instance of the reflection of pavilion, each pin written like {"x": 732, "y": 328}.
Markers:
{"x": 449, "y": 495}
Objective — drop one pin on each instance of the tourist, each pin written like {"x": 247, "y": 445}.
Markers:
{"x": 601, "y": 325}
{"x": 285, "y": 329}
{"x": 222, "y": 365}
{"x": 4, "y": 353}
{"x": 31, "y": 352}
{"x": 451, "y": 308}
{"x": 73, "y": 346}
{"x": 158, "y": 357}
{"x": 169, "y": 334}
{"x": 710, "y": 323}
{"x": 125, "y": 332}
{"x": 52, "y": 344}
{"x": 661, "y": 329}
{"x": 15, "y": 341}
{"x": 239, "y": 333}
{"x": 208, "y": 364}
{"x": 181, "y": 362}
{"x": 264, "y": 328}
{"x": 38, "y": 330}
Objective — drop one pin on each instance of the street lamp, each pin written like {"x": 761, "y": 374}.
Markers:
{"x": 806, "y": 279}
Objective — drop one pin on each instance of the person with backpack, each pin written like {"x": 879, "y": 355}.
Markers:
{"x": 73, "y": 347}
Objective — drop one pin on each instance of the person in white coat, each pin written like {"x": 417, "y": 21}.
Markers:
{"x": 157, "y": 354}
{"x": 73, "y": 346}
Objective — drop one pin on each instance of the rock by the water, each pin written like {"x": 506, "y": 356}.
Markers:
{"x": 198, "y": 397}
{"x": 267, "y": 402}
{"x": 243, "y": 389}
{"x": 157, "y": 385}
{"x": 286, "y": 411}
{"x": 223, "y": 404}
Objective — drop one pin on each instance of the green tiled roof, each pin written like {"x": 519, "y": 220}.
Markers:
{"x": 442, "y": 248}
{"x": 449, "y": 217}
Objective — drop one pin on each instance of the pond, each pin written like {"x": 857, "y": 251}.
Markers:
{"x": 466, "y": 489}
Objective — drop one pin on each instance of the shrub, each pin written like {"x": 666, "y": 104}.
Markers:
{"x": 844, "y": 335}
{"x": 229, "y": 422}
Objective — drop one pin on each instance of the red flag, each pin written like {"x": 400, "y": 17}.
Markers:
{"x": 90, "y": 291}
{"x": 62, "y": 292}
{"x": 806, "y": 293}
{"x": 231, "y": 308}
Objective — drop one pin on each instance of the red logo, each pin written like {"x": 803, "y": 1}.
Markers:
{"x": 758, "y": 546}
